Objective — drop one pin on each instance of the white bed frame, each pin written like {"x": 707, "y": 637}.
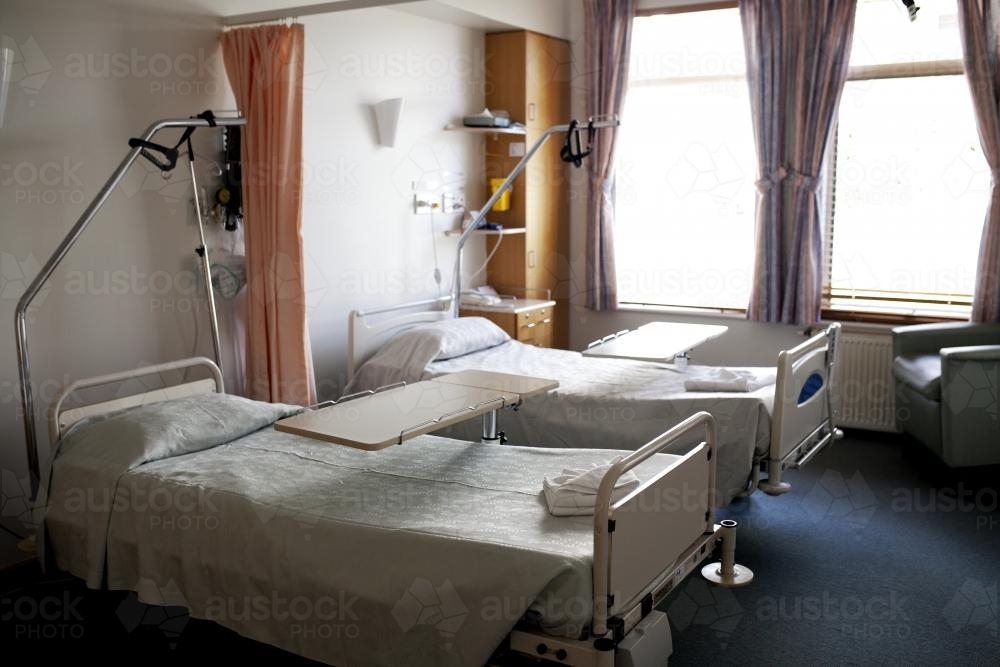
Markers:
{"x": 799, "y": 430}
{"x": 644, "y": 545}
{"x": 642, "y": 552}
{"x": 60, "y": 418}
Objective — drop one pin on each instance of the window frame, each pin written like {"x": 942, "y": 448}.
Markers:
{"x": 914, "y": 69}
{"x": 707, "y": 311}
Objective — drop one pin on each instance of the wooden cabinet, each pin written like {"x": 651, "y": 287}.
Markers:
{"x": 530, "y": 321}
{"x": 527, "y": 75}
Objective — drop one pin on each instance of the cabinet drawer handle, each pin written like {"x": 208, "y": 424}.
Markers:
{"x": 546, "y": 320}
{"x": 531, "y": 326}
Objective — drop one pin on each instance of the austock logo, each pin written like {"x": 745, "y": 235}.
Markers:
{"x": 834, "y": 497}
{"x": 16, "y": 497}
{"x": 30, "y": 68}
{"x": 704, "y": 605}
{"x": 973, "y": 605}
{"x": 701, "y": 170}
{"x": 28, "y": 615}
{"x": 165, "y": 608}
{"x": 16, "y": 275}
{"x": 426, "y": 604}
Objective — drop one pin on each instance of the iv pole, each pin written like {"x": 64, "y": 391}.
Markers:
{"x": 20, "y": 316}
{"x": 456, "y": 292}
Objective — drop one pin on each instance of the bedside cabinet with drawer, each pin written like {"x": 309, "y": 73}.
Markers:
{"x": 525, "y": 320}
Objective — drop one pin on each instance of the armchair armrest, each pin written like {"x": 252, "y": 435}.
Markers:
{"x": 929, "y": 338}
{"x": 970, "y": 353}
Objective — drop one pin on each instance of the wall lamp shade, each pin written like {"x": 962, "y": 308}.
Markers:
{"x": 387, "y": 116}
{"x": 6, "y": 72}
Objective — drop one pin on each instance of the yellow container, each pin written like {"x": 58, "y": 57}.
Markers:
{"x": 503, "y": 204}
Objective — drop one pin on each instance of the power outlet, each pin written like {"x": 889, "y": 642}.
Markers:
{"x": 453, "y": 202}
{"x": 425, "y": 203}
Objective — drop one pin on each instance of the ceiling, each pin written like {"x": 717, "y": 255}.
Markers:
{"x": 485, "y": 15}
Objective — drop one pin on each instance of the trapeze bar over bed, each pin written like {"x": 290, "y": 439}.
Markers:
{"x": 570, "y": 153}
{"x": 139, "y": 147}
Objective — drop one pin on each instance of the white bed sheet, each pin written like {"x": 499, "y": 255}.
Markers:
{"x": 421, "y": 554}
{"x": 602, "y": 403}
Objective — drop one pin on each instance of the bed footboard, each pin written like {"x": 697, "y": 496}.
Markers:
{"x": 804, "y": 416}
{"x": 644, "y": 546}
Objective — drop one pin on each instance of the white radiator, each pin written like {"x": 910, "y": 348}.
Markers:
{"x": 864, "y": 384}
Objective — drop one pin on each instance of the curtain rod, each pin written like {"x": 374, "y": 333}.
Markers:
{"x": 274, "y": 15}
{"x": 285, "y": 20}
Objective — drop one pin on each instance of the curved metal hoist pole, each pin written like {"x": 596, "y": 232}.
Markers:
{"x": 575, "y": 158}
{"x": 20, "y": 315}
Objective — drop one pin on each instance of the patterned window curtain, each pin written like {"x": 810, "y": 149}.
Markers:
{"x": 265, "y": 68}
{"x": 978, "y": 21}
{"x": 608, "y": 35}
{"x": 797, "y": 55}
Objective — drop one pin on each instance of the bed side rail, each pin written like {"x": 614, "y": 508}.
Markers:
{"x": 804, "y": 416}
{"x": 60, "y": 420}
{"x": 368, "y": 330}
{"x": 624, "y": 540}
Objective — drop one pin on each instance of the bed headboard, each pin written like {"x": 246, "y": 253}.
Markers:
{"x": 60, "y": 419}
{"x": 368, "y": 330}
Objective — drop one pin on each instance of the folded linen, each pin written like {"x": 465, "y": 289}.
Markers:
{"x": 724, "y": 379}
{"x": 574, "y": 492}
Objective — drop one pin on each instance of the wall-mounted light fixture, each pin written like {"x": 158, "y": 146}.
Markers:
{"x": 387, "y": 116}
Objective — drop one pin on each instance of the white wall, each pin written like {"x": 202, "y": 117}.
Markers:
{"x": 66, "y": 129}
{"x": 364, "y": 245}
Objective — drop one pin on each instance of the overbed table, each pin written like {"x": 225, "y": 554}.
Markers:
{"x": 384, "y": 418}
{"x": 656, "y": 341}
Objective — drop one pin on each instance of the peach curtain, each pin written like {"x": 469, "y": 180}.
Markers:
{"x": 265, "y": 68}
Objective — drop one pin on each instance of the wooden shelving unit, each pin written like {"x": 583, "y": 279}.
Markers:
{"x": 528, "y": 75}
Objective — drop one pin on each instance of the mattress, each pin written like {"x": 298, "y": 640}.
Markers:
{"x": 425, "y": 553}
{"x": 605, "y": 403}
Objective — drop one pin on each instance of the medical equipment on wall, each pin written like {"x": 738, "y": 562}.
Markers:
{"x": 229, "y": 273}
{"x": 572, "y": 152}
{"x": 229, "y": 197}
{"x": 164, "y": 158}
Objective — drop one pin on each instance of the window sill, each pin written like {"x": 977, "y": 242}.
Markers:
{"x": 862, "y": 319}
{"x": 886, "y": 319}
{"x": 710, "y": 313}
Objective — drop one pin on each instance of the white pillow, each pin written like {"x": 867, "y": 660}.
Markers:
{"x": 461, "y": 336}
{"x": 405, "y": 358}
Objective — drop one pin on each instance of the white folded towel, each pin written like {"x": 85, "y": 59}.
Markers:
{"x": 724, "y": 379}
{"x": 574, "y": 492}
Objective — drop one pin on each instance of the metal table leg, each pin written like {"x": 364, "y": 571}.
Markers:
{"x": 492, "y": 434}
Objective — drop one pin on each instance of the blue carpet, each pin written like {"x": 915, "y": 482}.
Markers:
{"x": 879, "y": 555}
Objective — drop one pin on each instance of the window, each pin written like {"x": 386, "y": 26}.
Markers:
{"x": 907, "y": 185}
{"x": 910, "y": 181}
{"x": 686, "y": 165}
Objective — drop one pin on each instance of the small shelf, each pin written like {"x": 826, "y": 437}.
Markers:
{"x": 488, "y": 232}
{"x": 487, "y": 130}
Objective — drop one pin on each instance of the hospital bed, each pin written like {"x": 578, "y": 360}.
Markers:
{"x": 614, "y": 403}
{"x": 432, "y": 551}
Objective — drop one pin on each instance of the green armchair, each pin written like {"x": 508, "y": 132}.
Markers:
{"x": 946, "y": 389}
